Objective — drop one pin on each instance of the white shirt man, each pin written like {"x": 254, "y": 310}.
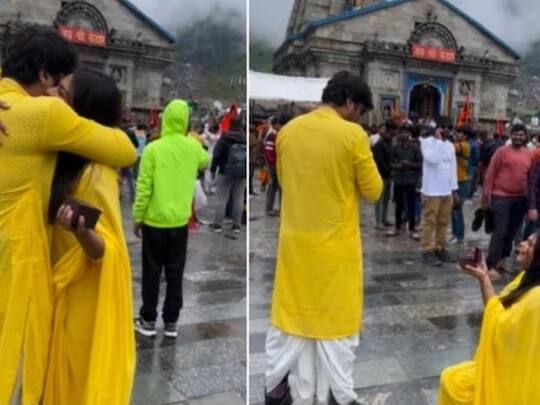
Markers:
{"x": 439, "y": 181}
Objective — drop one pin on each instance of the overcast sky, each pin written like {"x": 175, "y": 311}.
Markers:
{"x": 517, "y": 22}
{"x": 174, "y": 13}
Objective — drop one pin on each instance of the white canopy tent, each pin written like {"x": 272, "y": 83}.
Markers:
{"x": 265, "y": 86}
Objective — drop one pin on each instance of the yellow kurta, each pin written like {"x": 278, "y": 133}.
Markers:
{"x": 92, "y": 359}
{"x": 506, "y": 366}
{"x": 324, "y": 166}
{"x": 39, "y": 128}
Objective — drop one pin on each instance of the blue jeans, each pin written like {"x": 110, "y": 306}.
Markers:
{"x": 458, "y": 224}
{"x": 473, "y": 174}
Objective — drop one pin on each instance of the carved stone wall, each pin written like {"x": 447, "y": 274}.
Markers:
{"x": 135, "y": 55}
{"x": 378, "y": 45}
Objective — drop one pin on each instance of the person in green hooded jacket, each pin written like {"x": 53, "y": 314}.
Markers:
{"x": 161, "y": 212}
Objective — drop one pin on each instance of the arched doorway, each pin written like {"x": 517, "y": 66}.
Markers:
{"x": 425, "y": 100}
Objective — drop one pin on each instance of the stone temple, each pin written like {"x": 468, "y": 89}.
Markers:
{"x": 112, "y": 36}
{"x": 418, "y": 56}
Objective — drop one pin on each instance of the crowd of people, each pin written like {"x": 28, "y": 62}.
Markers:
{"x": 431, "y": 172}
{"x": 325, "y": 163}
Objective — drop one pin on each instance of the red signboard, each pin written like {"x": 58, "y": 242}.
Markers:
{"x": 82, "y": 36}
{"x": 435, "y": 54}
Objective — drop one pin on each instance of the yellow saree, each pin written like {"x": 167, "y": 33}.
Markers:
{"x": 507, "y": 360}
{"x": 92, "y": 357}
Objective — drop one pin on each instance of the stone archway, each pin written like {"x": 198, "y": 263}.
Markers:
{"x": 425, "y": 99}
{"x": 80, "y": 14}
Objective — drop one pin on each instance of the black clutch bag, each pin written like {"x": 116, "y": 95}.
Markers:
{"x": 80, "y": 208}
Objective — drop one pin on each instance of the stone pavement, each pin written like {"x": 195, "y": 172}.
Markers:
{"x": 417, "y": 319}
{"x": 206, "y": 364}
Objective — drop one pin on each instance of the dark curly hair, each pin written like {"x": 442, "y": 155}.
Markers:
{"x": 35, "y": 49}
{"x": 518, "y": 127}
{"x": 342, "y": 86}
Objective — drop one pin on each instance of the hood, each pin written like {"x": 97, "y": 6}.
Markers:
{"x": 175, "y": 120}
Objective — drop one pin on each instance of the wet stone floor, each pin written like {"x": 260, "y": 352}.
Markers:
{"x": 206, "y": 364}
{"x": 417, "y": 319}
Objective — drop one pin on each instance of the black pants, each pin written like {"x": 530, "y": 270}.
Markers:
{"x": 508, "y": 213}
{"x": 273, "y": 189}
{"x": 163, "y": 249}
{"x": 405, "y": 197}
{"x": 251, "y": 173}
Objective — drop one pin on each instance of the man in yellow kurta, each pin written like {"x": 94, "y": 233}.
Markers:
{"x": 39, "y": 128}
{"x": 324, "y": 165}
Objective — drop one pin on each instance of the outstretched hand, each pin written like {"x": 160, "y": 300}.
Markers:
{"x": 479, "y": 271}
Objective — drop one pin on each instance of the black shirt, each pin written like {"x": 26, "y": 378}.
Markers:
{"x": 409, "y": 152}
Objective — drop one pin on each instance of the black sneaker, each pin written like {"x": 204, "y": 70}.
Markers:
{"x": 444, "y": 256}
{"x": 145, "y": 328}
{"x": 236, "y": 228}
{"x": 431, "y": 259}
{"x": 171, "y": 330}
{"x": 281, "y": 395}
{"x": 215, "y": 228}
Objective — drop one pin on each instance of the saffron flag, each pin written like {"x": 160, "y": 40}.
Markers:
{"x": 154, "y": 118}
{"x": 465, "y": 114}
{"x": 225, "y": 124}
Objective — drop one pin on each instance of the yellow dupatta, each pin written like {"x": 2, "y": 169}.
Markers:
{"x": 507, "y": 360}
{"x": 92, "y": 358}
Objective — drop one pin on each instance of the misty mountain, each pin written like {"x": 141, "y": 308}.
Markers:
{"x": 260, "y": 55}
{"x": 525, "y": 96}
{"x": 210, "y": 61}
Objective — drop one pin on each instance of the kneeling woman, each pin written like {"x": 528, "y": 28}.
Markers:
{"x": 506, "y": 366}
{"x": 92, "y": 356}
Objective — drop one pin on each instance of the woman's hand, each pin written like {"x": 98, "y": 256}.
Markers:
{"x": 65, "y": 219}
{"x": 480, "y": 271}
{"x": 533, "y": 215}
{"x": 92, "y": 244}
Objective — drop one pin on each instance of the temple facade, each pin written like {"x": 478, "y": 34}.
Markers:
{"x": 112, "y": 36}
{"x": 420, "y": 57}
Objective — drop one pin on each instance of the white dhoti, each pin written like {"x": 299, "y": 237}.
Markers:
{"x": 315, "y": 366}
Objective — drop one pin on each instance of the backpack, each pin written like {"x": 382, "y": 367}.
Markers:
{"x": 236, "y": 161}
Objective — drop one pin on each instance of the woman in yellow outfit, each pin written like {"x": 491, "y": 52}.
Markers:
{"x": 39, "y": 128}
{"x": 92, "y": 355}
{"x": 507, "y": 361}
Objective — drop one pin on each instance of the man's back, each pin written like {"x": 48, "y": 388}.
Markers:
{"x": 317, "y": 153}
{"x": 23, "y": 166}
{"x": 324, "y": 164}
